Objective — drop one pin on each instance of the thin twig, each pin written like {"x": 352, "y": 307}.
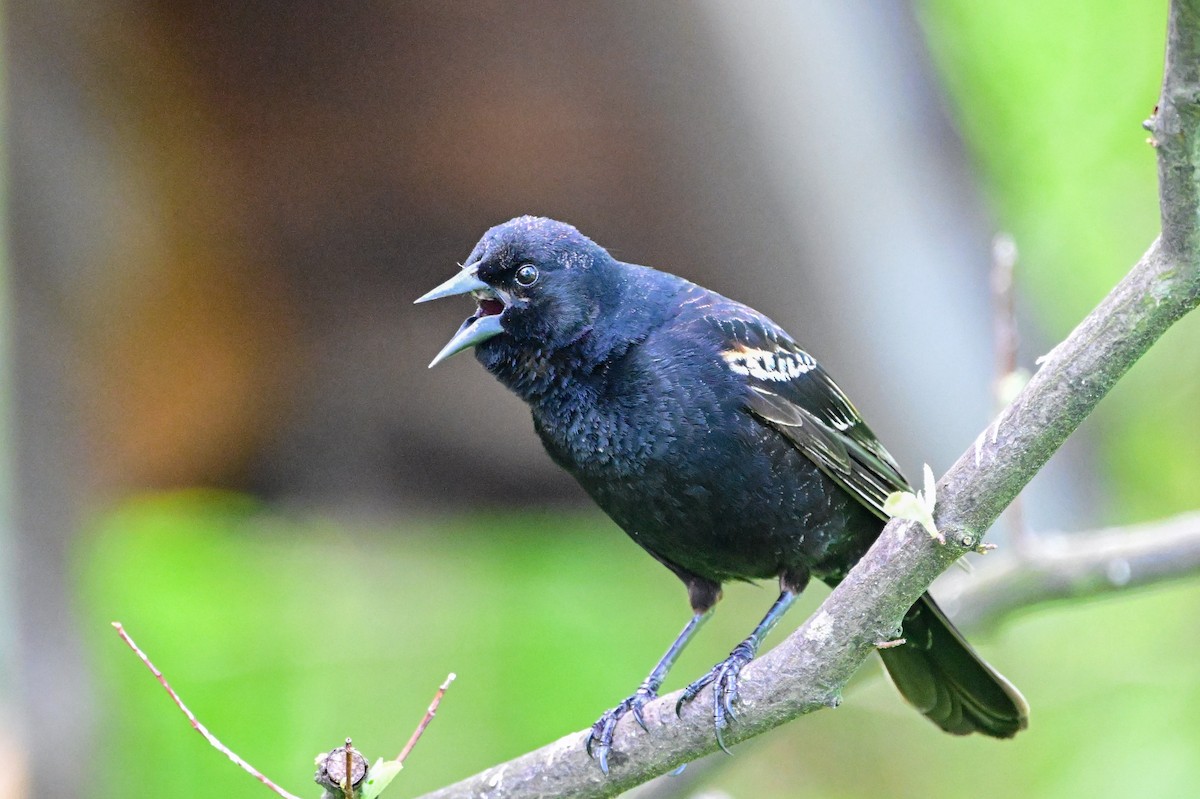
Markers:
{"x": 1004, "y": 322}
{"x": 1007, "y": 343}
{"x": 892, "y": 644}
{"x": 196, "y": 725}
{"x": 1073, "y": 566}
{"x": 429, "y": 714}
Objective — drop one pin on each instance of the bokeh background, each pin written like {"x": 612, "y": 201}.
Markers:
{"x": 222, "y": 433}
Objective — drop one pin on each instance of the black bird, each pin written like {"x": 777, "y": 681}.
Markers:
{"x": 706, "y": 433}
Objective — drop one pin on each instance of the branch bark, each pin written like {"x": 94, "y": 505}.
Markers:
{"x": 808, "y": 670}
{"x": 1072, "y": 566}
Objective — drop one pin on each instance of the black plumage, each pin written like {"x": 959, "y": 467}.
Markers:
{"x": 710, "y": 437}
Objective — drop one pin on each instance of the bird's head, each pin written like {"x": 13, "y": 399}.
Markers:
{"x": 539, "y": 285}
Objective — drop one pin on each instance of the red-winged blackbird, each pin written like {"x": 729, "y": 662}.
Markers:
{"x": 706, "y": 433}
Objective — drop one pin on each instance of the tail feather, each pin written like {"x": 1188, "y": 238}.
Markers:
{"x": 937, "y": 671}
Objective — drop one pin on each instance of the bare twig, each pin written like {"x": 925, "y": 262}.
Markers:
{"x": 341, "y": 772}
{"x": 196, "y": 725}
{"x": 429, "y": 714}
{"x": 1004, "y": 318}
{"x": 892, "y": 644}
{"x": 1072, "y": 566}
{"x": 1007, "y": 342}
{"x": 808, "y": 670}
{"x": 353, "y": 765}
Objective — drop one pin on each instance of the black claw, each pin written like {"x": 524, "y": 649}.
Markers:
{"x": 693, "y": 690}
{"x": 588, "y": 740}
{"x": 724, "y": 680}
{"x": 721, "y": 743}
{"x": 599, "y": 738}
{"x": 639, "y": 718}
{"x": 687, "y": 696}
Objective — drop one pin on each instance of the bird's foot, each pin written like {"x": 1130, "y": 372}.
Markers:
{"x": 724, "y": 680}
{"x": 599, "y": 739}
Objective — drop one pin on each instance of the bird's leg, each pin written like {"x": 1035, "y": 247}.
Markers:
{"x": 724, "y": 675}
{"x": 599, "y": 741}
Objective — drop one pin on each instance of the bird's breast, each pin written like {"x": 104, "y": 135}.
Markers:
{"x": 590, "y": 439}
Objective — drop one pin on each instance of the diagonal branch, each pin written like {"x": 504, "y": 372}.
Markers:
{"x": 808, "y": 670}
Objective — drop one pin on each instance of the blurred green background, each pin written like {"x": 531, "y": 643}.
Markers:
{"x": 226, "y": 439}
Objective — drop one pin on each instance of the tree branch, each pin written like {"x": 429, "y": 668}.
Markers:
{"x": 1072, "y": 566}
{"x": 808, "y": 670}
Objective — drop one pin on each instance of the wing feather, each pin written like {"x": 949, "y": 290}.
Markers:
{"x": 788, "y": 390}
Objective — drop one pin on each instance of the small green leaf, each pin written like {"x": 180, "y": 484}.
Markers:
{"x": 379, "y": 777}
{"x": 916, "y": 507}
{"x": 930, "y": 498}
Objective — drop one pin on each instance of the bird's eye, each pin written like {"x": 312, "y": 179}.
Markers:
{"x": 527, "y": 275}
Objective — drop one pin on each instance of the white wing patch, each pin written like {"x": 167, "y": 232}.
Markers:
{"x": 841, "y": 423}
{"x": 776, "y": 365}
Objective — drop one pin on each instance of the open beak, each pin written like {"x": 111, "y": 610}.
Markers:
{"x": 482, "y": 325}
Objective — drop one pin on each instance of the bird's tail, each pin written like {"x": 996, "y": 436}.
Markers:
{"x": 938, "y": 672}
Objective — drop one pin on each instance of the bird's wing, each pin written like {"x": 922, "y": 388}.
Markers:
{"x": 787, "y": 389}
